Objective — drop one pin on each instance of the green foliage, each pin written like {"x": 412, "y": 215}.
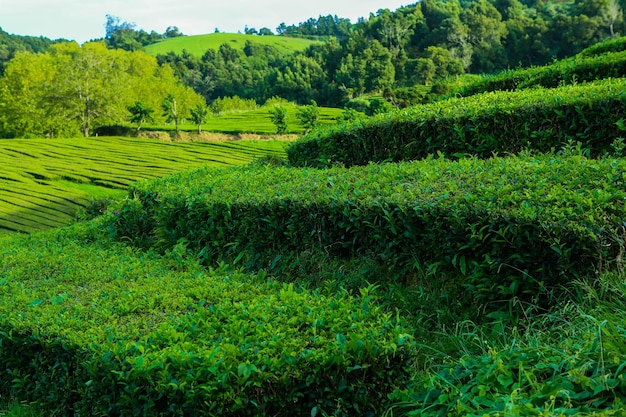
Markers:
{"x": 198, "y": 45}
{"x": 581, "y": 68}
{"x": 170, "y": 110}
{"x": 308, "y": 116}
{"x": 115, "y": 332}
{"x": 278, "y": 115}
{"x": 11, "y": 45}
{"x": 566, "y": 362}
{"x": 15, "y": 409}
{"x": 480, "y": 125}
{"x": 609, "y": 45}
{"x": 140, "y": 113}
{"x": 500, "y": 228}
{"x": 72, "y": 90}
{"x": 199, "y": 115}
{"x": 232, "y": 104}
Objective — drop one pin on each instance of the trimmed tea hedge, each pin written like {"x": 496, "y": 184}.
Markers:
{"x": 609, "y": 45}
{"x": 581, "y": 68}
{"x": 101, "y": 330}
{"x": 481, "y": 125}
{"x": 513, "y": 226}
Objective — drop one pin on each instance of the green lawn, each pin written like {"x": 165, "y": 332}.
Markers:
{"x": 197, "y": 45}
{"x": 44, "y": 182}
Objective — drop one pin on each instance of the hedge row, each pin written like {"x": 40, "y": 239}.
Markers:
{"x": 88, "y": 329}
{"x": 609, "y": 45}
{"x": 508, "y": 226}
{"x": 481, "y": 125}
{"x": 568, "y": 71}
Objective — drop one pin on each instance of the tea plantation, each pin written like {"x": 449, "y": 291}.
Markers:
{"x": 463, "y": 258}
{"x": 43, "y": 183}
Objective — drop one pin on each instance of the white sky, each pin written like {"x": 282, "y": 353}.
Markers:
{"x": 82, "y": 20}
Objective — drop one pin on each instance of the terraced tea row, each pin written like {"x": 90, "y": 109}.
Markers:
{"x": 503, "y": 226}
{"x": 34, "y": 195}
{"x": 101, "y": 329}
{"x": 539, "y": 119}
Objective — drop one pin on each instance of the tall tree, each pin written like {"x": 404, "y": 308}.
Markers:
{"x": 199, "y": 114}
{"x": 170, "y": 111}
{"x": 140, "y": 113}
{"x": 72, "y": 90}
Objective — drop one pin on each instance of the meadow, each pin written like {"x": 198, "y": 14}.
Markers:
{"x": 198, "y": 44}
{"x": 464, "y": 258}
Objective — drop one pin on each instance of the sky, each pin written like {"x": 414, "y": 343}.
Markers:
{"x": 83, "y": 20}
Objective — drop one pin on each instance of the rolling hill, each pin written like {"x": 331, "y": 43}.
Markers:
{"x": 198, "y": 44}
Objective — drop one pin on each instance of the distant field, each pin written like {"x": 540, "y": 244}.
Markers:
{"x": 197, "y": 45}
{"x": 256, "y": 121}
{"x": 44, "y": 182}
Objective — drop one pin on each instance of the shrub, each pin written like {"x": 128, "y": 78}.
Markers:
{"x": 481, "y": 125}
{"x": 92, "y": 329}
{"x": 502, "y": 228}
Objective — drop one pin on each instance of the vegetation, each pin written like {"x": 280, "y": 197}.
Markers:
{"x": 206, "y": 340}
{"x": 44, "y": 183}
{"x": 198, "y": 45}
{"x": 506, "y": 227}
{"x": 604, "y": 60}
{"x": 481, "y": 125}
{"x": 11, "y": 45}
{"x": 73, "y": 90}
{"x": 464, "y": 257}
{"x": 392, "y": 51}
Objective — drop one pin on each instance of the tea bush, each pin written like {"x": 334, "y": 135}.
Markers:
{"x": 98, "y": 329}
{"x": 506, "y": 227}
{"x": 480, "y": 125}
{"x": 581, "y": 68}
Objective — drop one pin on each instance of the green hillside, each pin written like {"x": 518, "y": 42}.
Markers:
{"x": 43, "y": 183}
{"x": 197, "y": 45}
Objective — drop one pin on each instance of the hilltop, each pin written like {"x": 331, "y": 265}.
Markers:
{"x": 197, "y": 45}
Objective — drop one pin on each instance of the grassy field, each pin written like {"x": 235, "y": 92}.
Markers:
{"x": 255, "y": 121}
{"x": 44, "y": 182}
{"x": 198, "y": 44}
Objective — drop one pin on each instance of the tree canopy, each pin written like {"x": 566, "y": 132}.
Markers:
{"x": 418, "y": 43}
{"x": 71, "y": 90}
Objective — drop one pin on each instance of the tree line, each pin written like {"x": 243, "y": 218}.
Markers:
{"x": 72, "y": 90}
{"x": 416, "y": 44}
{"x": 11, "y": 45}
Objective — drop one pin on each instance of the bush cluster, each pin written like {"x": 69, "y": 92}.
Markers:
{"x": 516, "y": 226}
{"x": 481, "y": 125}
{"x": 91, "y": 329}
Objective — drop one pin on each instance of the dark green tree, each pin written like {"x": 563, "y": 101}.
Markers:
{"x": 140, "y": 113}
{"x": 278, "y": 115}
{"x": 308, "y": 116}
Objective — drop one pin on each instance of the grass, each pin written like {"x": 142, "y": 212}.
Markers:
{"x": 44, "y": 183}
{"x": 16, "y": 409}
{"x": 197, "y": 45}
{"x": 255, "y": 121}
